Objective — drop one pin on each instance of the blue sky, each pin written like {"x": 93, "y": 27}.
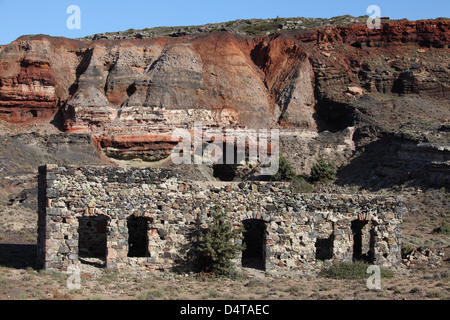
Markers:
{"x": 19, "y": 17}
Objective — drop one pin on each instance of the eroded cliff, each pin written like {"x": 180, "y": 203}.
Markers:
{"x": 129, "y": 94}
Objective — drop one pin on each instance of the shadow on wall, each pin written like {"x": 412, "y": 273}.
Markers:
{"x": 189, "y": 258}
{"x": 18, "y": 256}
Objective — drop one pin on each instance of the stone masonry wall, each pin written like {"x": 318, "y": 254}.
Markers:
{"x": 302, "y": 231}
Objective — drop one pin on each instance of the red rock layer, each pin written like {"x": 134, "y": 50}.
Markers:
{"x": 120, "y": 89}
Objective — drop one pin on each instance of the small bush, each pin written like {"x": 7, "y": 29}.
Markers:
{"x": 261, "y": 28}
{"x": 406, "y": 251}
{"x": 217, "y": 245}
{"x": 443, "y": 229}
{"x": 151, "y": 295}
{"x": 94, "y": 298}
{"x": 387, "y": 273}
{"x": 285, "y": 171}
{"x": 109, "y": 275}
{"x": 436, "y": 294}
{"x": 300, "y": 185}
{"x": 294, "y": 290}
{"x": 212, "y": 293}
{"x": 416, "y": 290}
{"x": 323, "y": 170}
{"x": 255, "y": 283}
{"x": 343, "y": 270}
{"x": 352, "y": 270}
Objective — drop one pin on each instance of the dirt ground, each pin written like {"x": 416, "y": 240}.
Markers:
{"x": 27, "y": 283}
{"x": 423, "y": 279}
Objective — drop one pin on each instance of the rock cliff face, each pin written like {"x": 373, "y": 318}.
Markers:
{"x": 130, "y": 93}
{"x": 35, "y": 77}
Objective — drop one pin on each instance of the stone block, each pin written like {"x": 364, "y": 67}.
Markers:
{"x": 63, "y": 249}
{"x": 52, "y": 193}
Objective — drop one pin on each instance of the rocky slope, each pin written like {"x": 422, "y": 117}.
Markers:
{"x": 129, "y": 94}
{"x": 251, "y": 27}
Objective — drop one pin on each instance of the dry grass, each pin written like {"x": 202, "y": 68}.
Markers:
{"x": 106, "y": 285}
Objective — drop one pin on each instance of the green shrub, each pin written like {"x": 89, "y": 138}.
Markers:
{"x": 154, "y": 294}
{"x": 285, "y": 171}
{"x": 352, "y": 270}
{"x": 217, "y": 245}
{"x": 436, "y": 294}
{"x": 262, "y": 27}
{"x": 212, "y": 293}
{"x": 109, "y": 275}
{"x": 294, "y": 290}
{"x": 300, "y": 185}
{"x": 443, "y": 229}
{"x": 323, "y": 170}
{"x": 406, "y": 251}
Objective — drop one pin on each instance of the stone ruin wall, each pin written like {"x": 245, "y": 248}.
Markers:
{"x": 300, "y": 232}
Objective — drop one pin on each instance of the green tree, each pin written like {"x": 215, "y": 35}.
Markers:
{"x": 218, "y": 244}
{"x": 285, "y": 171}
{"x": 323, "y": 170}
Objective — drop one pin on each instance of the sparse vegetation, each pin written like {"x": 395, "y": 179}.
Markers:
{"x": 301, "y": 185}
{"x": 436, "y": 294}
{"x": 323, "y": 171}
{"x": 261, "y": 28}
{"x": 285, "y": 172}
{"x": 352, "y": 270}
{"x": 406, "y": 251}
{"x": 153, "y": 294}
{"x": 252, "y": 27}
{"x": 148, "y": 285}
{"x": 212, "y": 293}
{"x": 444, "y": 229}
{"x": 416, "y": 290}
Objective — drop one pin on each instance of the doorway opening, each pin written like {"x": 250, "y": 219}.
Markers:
{"x": 137, "y": 237}
{"x": 92, "y": 239}
{"x": 325, "y": 240}
{"x": 363, "y": 241}
{"x": 254, "y": 254}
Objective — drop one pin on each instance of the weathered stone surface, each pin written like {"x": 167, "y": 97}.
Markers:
{"x": 298, "y": 229}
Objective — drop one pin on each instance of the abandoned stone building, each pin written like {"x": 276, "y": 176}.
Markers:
{"x": 145, "y": 218}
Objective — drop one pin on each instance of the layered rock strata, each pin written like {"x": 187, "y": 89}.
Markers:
{"x": 118, "y": 90}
